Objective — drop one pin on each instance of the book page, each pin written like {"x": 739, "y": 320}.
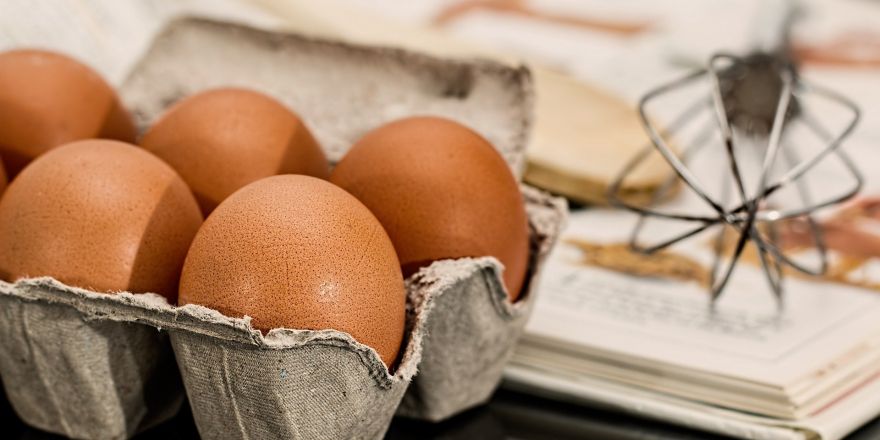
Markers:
{"x": 744, "y": 336}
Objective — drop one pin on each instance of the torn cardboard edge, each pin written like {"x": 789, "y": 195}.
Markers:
{"x": 228, "y": 368}
{"x": 154, "y": 310}
{"x": 473, "y": 327}
{"x": 546, "y": 217}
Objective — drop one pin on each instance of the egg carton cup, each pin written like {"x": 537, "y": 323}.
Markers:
{"x": 68, "y": 371}
{"x": 473, "y": 327}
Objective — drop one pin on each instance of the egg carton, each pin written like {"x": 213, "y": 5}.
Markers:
{"x": 241, "y": 384}
{"x": 92, "y": 365}
{"x": 95, "y": 365}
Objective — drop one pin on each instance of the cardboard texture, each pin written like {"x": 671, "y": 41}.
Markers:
{"x": 340, "y": 90}
{"x": 241, "y": 384}
{"x": 473, "y": 327}
{"x": 81, "y": 376}
{"x": 93, "y": 365}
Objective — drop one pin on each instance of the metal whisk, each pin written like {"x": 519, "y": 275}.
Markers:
{"x": 755, "y": 99}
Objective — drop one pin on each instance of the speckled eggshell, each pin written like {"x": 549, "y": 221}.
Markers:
{"x": 99, "y": 214}
{"x": 223, "y": 139}
{"x": 297, "y": 252}
{"x": 3, "y": 179}
{"x": 48, "y": 99}
{"x": 441, "y": 191}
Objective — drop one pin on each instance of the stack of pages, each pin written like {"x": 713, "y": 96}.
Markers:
{"x": 654, "y": 348}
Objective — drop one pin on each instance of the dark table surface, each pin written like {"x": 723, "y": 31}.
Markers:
{"x": 509, "y": 415}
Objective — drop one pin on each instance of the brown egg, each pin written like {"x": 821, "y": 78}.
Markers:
{"x": 3, "y": 179}
{"x": 98, "y": 214}
{"x": 441, "y": 191}
{"x": 48, "y": 99}
{"x": 297, "y": 252}
{"x": 222, "y": 139}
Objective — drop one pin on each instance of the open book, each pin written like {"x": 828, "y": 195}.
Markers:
{"x": 817, "y": 357}
{"x": 618, "y": 328}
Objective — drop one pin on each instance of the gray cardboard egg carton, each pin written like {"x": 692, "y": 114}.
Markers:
{"x": 287, "y": 384}
{"x": 91, "y": 365}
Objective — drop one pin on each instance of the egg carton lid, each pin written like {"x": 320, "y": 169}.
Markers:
{"x": 341, "y": 90}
